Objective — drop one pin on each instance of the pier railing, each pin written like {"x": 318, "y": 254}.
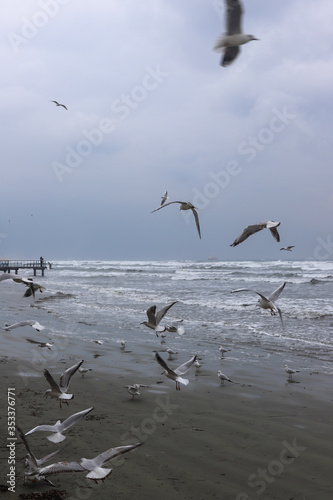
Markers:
{"x": 14, "y": 265}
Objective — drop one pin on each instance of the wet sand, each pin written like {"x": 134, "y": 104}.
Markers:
{"x": 260, "y": 437}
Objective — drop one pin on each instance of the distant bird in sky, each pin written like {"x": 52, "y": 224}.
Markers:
{"x": 267, "y": 303}
{"x": 176, "y": 374}
{"x": 184, "y": 205}
{"x": 249, "y": 230}
{"x": 34, "y": 324}
{"x": 223, "y": 377}
{"x": 154, "y": 318}
{"x": 289, "y": 248}
{"x": 229, "y": 42}
{"x": 290, "y": 371}
{"x": 60, "y": 391}
{"x": 164, "y": 198}
{"x": 58, "y": 104}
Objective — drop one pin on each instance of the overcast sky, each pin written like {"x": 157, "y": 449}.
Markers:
{"x": 150, "y": 109}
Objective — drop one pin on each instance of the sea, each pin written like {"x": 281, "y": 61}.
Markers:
{"x": 105, "y": 302}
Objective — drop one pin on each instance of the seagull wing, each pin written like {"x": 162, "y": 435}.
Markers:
{"x": 196, "y": 217}
{"x": 182, "y": 369}
{"x": 274, "y": 233}
{"x": 66, "y": 424}
{"x": 51, "y": 381}
{"x": 60, "y": 467}
{"x": 166, "y": 204}
{"x": 248, "y": 231}
{"x": 33, "y": 460}
{"x": 163, "y": 364}
{"x": 162, "y": 312}
{"x": 151, "y": 315}
{"x": 67, "y": 375}
{"x": 44, "y": 428}
{"x": 108, "y": 455}
{"x": 233, "y": 17}
{"x": 229, "y": 55}
{"x": 276, "y": 294}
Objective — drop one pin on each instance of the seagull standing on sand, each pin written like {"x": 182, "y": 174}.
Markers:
{"x": 176, "y": 374}
{"x": 83, "y": 370}
{"x": 57, "y": 104}
{"x": 230, "y": 41}
{"x": 249, "y": 230}
{"x": 154, "y": 318}
{"x": 290, "y": 371}
{"x": 134, "y": 389}
{"x": 222, "y": 351}
{"x": 122, "y": 344}
{"x": 184, "y": 205}
{"x": 34, "y": 324}
{"x": 223, "y": 377}
{"x": 60, "y": 391}
{"x": 267, "y": 303}
{"x": 59, "y": 427}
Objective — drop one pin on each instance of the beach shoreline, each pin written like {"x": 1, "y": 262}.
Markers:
{"x": 260, "y": 437}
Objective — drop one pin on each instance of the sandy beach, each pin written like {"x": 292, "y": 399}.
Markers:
{"x": 259, "y": 437}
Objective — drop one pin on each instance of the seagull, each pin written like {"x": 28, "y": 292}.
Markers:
{"x": 184, "y": 205}
{"x": 267, "y": 303}
{"x": 34, "y": 324}
{"x": 123, "y": 344}
{"x": 176, "y": 327}
{"x": 19, "y": 279}
{"x": 57, "y": 104}
{"x": 176, "y": 374}
{"x": 171, "y": 352}
{"x": 289, "y": 248}
{"x": 134, "y": 389}
{"x": 164, "y": 198}
{"x": 31, "y": 461}
{"x": 230, "y": 41}
{"x": 249, "y": 230}
{"x": 222, "y": 351}
{"x": 32, "y": 288}
{"x": 60, "y": 391}
{"x": 93, "y": 465}
{"x": 197, "y": 365}
{"x": 154, "y": 318}
{"x": 41, "y": 344}
{"x": 223, "y": 377}
{"x": 83, "y": 370}
{"x": 59, "y": 427}
{"x": 290, "y": 371}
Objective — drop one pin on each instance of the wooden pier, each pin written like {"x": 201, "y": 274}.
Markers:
{"x": 14, "y": 265}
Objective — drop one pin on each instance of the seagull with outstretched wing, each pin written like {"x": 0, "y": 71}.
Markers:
{"x": 184, "y": 205}
{"x": 255, "y": 228}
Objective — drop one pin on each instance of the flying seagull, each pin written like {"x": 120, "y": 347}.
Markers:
{"x": 267, "y": 303}
{"x": 229, "y": 42}
{"x": 176, "y": 374}
{"x": 154, "y": 318}
{"x": 249, "y": 230}
{"x": 34, "y": 324}
{"x": 290, "y": 371}
{"x": 20, "y": 279}
{"x": 60, "y": 391}
{"x": 94, "y": 466}
{"x": 57, "y": 104}
{"x": 289, "y": 248}
{"x": 31, "y": 461}
{"x": 59, "y": 427}
{"x": 184, "y": 205}
{"x": 164, "y": 198}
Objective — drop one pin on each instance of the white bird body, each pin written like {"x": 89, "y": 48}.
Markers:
{"x": 34, "y": 324}
{"x": 223, "y": 351}
{"x": 176, "y": 374}
{"x": 59, "y": 427}
{"x": 83, "y": 370}
{"x": 223, "y": 377}
{"x": 134, "y": 389}
{"x": 290, "y": 371}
